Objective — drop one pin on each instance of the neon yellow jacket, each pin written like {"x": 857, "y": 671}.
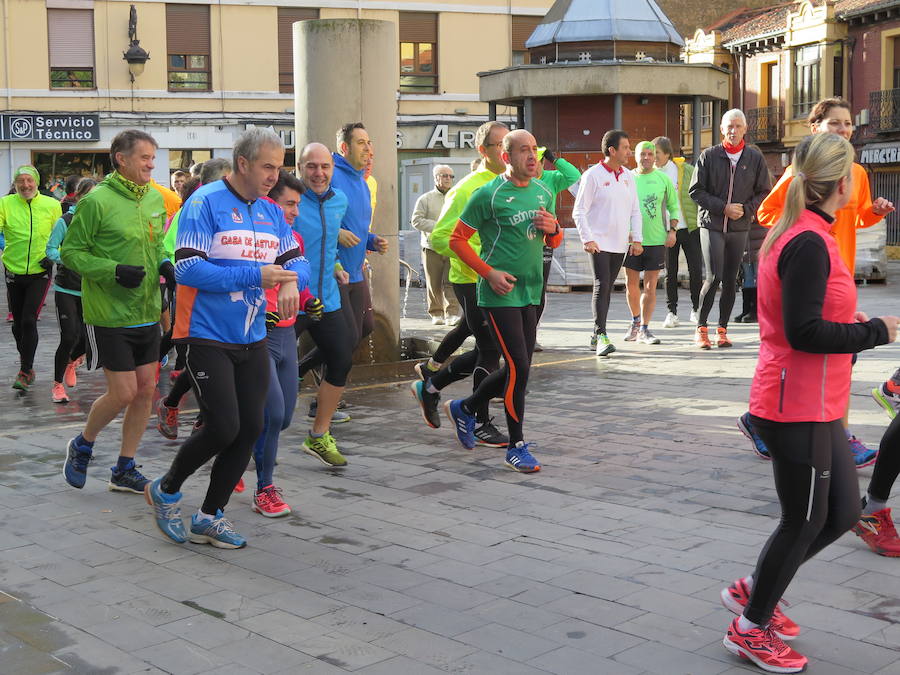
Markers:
{"x": 26, "y": 226}
{"x": 454, "y": 203}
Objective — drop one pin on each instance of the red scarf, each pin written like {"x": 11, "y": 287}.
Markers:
{"x": 732, "y": 148}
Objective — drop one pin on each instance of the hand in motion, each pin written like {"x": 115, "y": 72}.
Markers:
{"x": 130, "y": 276}
{"x": 167, "y": 271}
{"x": 670, "y": 239}
{"x": 342, "y": 276}
{"x": 46, "y": 263}
{"x": 314, "y": 309}
{"x": 545, "y": 221}
{"x": 891, "y": 323}
{"x": 381, "y": 245}
{"x": 591, "y": 247}
{"x": 882, "y": 207}
{"x": 272, "y": 275}
{"x": 636, "y": 248}
{"x": 502, "y": 282}
{"x": 288, "y": 298}
{"x": 734, "y": 211}
{"x": 346, "y": 239}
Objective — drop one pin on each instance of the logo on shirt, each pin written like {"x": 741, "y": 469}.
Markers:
{"x": 607, "y": 184}
{"x": 236, "y": 216}
{"x": 509, "y": 199}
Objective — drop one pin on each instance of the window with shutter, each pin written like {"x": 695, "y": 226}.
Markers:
{"x": 522, "y": 28}
{"x": 418, "y": 53}
{"x": 70, "y": 35}
{"x": 187, "y": 40}
{"x": 287, "y": 16}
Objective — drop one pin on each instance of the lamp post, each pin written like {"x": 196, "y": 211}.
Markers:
{"x": 136, "y": 56}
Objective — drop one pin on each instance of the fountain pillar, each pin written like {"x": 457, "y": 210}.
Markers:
{"x": 346, "y": 70}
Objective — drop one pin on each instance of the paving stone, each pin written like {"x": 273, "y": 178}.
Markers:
{"x": 567, "y": 660}
{"x": 181, "y": 656}
{"x": 507, "y": 642}
{"x": 425, "y": 647}
{"x": 657, "y": 658}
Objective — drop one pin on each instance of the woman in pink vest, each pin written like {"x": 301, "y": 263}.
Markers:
{"x": 809, "y": 329}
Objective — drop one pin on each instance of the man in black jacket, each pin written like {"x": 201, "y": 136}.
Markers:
{"x": 729, "y": 184}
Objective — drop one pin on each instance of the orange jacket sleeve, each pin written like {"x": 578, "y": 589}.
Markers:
{"x": 459, "y": 244}
{"x": 772, "y": 206}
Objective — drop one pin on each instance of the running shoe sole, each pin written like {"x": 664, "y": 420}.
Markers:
{"x": 746, "y": 432}
{"x": 606, "y": 350}
{"x": 112, "y": 487}
{"x": 869, "y": 462}
{"x": 523, "y": 469}
{"x": 883, "y": 402}
{"x": 485, "y": 444}
{"x": 415, "y": 393}
{"x": 286, "y": 512}
{"x": 737, "y": 650}
{"x": 212, "y": 541}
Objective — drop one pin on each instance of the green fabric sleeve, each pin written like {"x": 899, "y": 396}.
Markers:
{"x": 75, "y": 251}
{"x": 453, "y": 206}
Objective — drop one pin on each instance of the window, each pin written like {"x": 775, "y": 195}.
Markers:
{"x": 287, "y": 16}
{"x": 522, "y": 28}
{"x": 706, "y": 114}
{"x": 687, "y": 117}
{"x": 187, "y": 39}
{"x": 185, "y": 159}
{"x": 806, "y": 79}
{"x": 418, "y": 52}
{"x": 896, "y": 49}
{"x": 71, "y": 38}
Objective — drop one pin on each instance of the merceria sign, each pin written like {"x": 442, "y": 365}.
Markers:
{"x": 49, "y": 127}
{"x": 880, "y": 154}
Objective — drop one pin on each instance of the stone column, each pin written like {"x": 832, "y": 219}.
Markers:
{"x": 696, "y": 112}
{"x": 347, "y": 70}
{"x": 617, "y": 112}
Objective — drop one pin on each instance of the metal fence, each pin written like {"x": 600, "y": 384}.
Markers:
{"x": 884, "y": 110}
{"x": 887, "y": 185}
{"x": 764, "y": 124}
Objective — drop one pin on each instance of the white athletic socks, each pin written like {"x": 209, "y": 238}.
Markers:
{"x": 744, "y": 624}
{"x": 873, "y": 505}
{"x": 204, "y": 516}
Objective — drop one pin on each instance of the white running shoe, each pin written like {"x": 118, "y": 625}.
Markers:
{"x": 646, "y": 337}
{"x": 694, "y": 316}
{"x": 671, "y": 321}
{"x": 437, "y": 321}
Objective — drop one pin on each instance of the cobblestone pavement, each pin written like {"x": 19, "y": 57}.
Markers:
{"x": 422, "y": 557}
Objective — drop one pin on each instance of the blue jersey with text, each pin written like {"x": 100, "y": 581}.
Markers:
{"x": 223, "y": 241}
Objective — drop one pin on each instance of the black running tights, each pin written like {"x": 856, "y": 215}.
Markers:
{"x": 356, "y": 304}
{"x": 606, "y": 267}
{"x": 722, "y": 255}
{"x": 816, "y": 482}
{"x": 887, "y": 466}
{"x": 515, "y": 329}
{"x": 479, "y": 362}
{"x": 71, "y": 332}
{"x": 231, "y": 387}
{"x": 690, "y": 242}
{"x": 454, "y": 338}
{"x": 26, "y": 293}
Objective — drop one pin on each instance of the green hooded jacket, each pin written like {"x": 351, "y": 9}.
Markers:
{"x": 26, "y": 226}
{"x": 112, "y": 226}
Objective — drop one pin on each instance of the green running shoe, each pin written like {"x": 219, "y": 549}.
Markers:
{"x": 324, "y": 449}
{"x": 885, "y": 399}
{"x": 604, "y": 346}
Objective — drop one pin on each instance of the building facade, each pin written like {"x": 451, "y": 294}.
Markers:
{"x": 216, "y": 67}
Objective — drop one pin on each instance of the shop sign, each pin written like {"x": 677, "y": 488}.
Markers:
{"x": 51, "y": 127}
{"x": 440, "y": 136}
{"x": 880, "y": 154}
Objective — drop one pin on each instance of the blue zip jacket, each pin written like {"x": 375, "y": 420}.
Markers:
{"x": 223, "y": 240}
{"x": 318, "y": 222}
{"x": 350, "y": 181}
{"x": 63, "y": 274}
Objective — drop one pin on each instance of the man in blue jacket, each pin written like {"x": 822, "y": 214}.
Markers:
{"x": 354, "y": 240}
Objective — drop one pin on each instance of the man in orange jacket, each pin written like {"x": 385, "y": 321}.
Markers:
{"x": 831, "y": 115}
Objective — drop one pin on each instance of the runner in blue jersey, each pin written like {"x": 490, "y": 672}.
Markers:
{"x": 231, "y": 245}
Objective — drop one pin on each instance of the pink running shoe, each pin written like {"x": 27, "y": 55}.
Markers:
{"x": 269, "y": 503}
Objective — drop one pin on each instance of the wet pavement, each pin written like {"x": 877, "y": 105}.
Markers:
{"x": 421, "y": 557}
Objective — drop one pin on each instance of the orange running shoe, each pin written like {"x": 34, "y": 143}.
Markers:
{"x": 701, "y": 339}
{"x": 878, "y": 531}
{"x": 722, "y": 336}
{"x": 762, "y": 646}
{"x": 240, "y": 486}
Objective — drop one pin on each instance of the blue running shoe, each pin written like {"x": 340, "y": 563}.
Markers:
{"x": 219, "y": 532}
{"x": 519, "y": 459}
{"x": 129, "y": 480}
{"x": 746, "y": 427}
{"x": 167, "y": 510}
{"x": 462, "y": 422}
{"x": 862, "y": 455}
{"x": 76, "y": 464}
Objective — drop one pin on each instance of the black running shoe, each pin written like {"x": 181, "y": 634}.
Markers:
{"x": 423, "y": 371}
{"x": 490, "y": 436}
{"x": 129, "y": 480}
{"x": 428, "y": 402}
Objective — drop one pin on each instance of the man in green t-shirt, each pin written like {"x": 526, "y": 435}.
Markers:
{"x": 510, "y": 215}
{"x": 657, "y": 197}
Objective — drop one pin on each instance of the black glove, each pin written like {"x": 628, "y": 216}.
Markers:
{"x": 130, "y": 276}
{"x": 549, "y": 156}
{"x": 167, "y": 272}
{"x": 46, "y": 263}
{"x": 314, "y": 309}
{"x": 272, "y": 319}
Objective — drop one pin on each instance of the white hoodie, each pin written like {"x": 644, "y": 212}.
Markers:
{"x": 607, "y": 209}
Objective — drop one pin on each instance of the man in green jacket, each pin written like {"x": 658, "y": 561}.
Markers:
{"x": 26, "y": 219}
{"x": 687, "y": 234}
{"x": 115, "y": 242}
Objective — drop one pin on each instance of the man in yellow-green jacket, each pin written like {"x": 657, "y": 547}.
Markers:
{"x": 26, "y": 220}
{"x": 115, "y": 242}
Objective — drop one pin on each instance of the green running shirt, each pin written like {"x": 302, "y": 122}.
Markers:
{"x": 655, "y": 191}
{"x": 503, "y": 214}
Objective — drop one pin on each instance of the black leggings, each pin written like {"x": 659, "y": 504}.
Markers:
{"x": 815, "y": 478}
{"x": 515, "y": 329}
{"x": 455, "y": 337}
{"x": 71, "y": 332}
{"x": 606, "y": 267}
{"x": 26, "y": 293}
{"x": 356, "y": 304}
{"x": 180, "y": 387}
{"x": 231, "y": 387}
{"x": 690, "y": 242}
{"x": 887, "y": 466}
{"x": 479, "y": 362}
{"x": 722, "y": 255}
{"x": 333, "y": 342}
{"x": 548, "y": 263}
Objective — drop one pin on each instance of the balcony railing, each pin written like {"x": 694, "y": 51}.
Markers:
{"x": 764, "y": 124}
{"x": 884, "y": 110}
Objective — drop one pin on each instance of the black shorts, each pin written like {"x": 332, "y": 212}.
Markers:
{"x": 121, "y": 349}
{"x": 652, "y": 258}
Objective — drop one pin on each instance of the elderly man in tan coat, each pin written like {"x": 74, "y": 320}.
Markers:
{"x": 442, "y": 304}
